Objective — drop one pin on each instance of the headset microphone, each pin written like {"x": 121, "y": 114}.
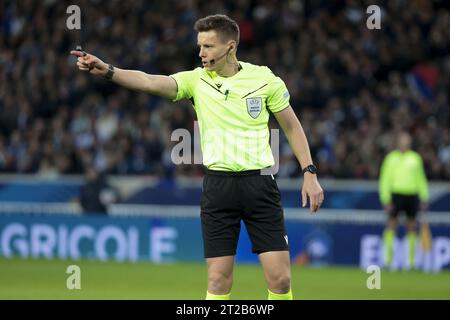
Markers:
{"x": 213, "y": 61}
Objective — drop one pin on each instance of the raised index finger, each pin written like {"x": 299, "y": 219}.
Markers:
{"x": 78, "y": 53}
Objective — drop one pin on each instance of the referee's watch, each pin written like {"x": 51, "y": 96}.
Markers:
{"x": 311, "y": 169}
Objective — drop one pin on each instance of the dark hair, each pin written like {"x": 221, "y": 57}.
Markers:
{"x": 225, "y": 27}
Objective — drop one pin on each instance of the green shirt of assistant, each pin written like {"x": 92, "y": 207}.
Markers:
{"x": 233, "y": 114}
{"x": 402, "y": 173}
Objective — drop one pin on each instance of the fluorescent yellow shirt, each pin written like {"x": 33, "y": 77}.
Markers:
{"x": 402, "y": 173}
{"x": 233, "y": 114}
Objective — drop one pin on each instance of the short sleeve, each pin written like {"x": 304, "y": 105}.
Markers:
{"x": 278, "y": 98}
{"x": 185, "y": 83}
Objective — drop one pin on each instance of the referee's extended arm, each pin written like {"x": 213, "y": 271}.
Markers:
{"x": 159, "y": 85}
{"x": 299, "y": 144}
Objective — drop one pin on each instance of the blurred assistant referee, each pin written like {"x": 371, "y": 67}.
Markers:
{"x": 402, "y": 185}
{"x": 232, "y": 100}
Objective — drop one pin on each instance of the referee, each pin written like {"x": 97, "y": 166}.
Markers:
{"x": 402, "y": 185}
{"x": 232, "y": 100}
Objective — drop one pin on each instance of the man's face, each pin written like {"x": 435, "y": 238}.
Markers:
{"x": 404, "y": 142}
{"x": 211, "y": 47}
{"x": 91, "y": 174}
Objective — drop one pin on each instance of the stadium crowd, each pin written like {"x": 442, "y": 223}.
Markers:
{"x": 352, "y": 88}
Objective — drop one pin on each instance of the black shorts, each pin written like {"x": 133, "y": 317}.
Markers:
{"x": 228, "y": 198}
{"x": 408, "y": 204}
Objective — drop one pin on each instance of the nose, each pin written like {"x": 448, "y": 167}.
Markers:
{"x": 201, "y": 53}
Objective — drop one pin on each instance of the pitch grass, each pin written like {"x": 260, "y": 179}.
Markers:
{"x": 46, "y": 279}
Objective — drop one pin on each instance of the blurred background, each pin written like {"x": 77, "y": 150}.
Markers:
{"x": 86, "y": 167}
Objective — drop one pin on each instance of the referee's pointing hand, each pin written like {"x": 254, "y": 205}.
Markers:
{"x": 90, "y": 63}
{"x": 311, "y": 188}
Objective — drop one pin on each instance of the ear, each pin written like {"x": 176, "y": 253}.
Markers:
{"x": 231, "y": 45}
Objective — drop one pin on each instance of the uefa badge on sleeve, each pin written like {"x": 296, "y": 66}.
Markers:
{"x": 254, "y": 106}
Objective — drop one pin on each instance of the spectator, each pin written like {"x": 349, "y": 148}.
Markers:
{"x": 96, "y": 194}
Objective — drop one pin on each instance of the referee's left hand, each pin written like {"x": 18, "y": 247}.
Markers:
{"x": 312, "y": 188}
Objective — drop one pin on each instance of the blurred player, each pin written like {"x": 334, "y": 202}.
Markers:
{"x": 233, "y": 99}
{"x": 402, "y": 185}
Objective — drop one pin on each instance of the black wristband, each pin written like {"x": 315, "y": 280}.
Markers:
{"x": 109, "y": 74}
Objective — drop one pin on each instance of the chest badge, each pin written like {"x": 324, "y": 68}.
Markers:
{"x": 254, "y": 106}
